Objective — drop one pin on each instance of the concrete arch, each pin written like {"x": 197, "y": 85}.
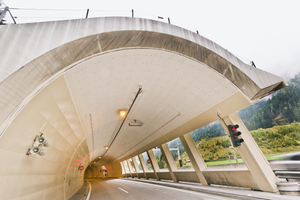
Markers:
{"x": 42, "y": 93}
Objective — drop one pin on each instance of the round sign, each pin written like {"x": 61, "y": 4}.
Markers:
{"x": 81, "y": 168}
{"x": 148, "y": 161}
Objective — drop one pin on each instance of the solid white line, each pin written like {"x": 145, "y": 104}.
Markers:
{"x": 88, "y": 196}
{"x": 123, "y": 190}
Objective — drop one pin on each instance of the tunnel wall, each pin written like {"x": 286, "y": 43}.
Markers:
{"x": 55, "y": 175}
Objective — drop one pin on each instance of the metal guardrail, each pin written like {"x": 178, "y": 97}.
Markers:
{"x": 288, "y": 174}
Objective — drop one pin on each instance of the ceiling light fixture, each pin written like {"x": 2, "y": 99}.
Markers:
{"x": 122, "y": 113}
{"x": 135, "y": 123}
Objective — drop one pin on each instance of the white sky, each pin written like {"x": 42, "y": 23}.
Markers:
{"x": 265, "y": 31}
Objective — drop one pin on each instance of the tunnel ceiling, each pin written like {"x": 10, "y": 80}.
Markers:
{"x": 175, "y": 89}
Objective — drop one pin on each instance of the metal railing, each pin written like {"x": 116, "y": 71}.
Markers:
{"x": 288, "y": 174}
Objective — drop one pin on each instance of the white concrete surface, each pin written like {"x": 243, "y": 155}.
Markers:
{"x": 68, "y": 79}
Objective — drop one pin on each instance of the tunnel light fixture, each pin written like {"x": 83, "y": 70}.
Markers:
{"x": 99, "y": 157}
{"x": 135, "y": 123}
{"x": 37, "y": 147}
{"x": 122, "y": 113}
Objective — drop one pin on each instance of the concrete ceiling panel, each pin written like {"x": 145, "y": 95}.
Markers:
{"x": 175, "y": 89}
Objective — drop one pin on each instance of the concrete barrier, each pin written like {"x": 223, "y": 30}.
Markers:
{"x": 289, "y": 188}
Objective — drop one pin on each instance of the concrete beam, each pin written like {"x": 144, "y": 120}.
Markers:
{"x": 135, "y": 166}
{"x": 153, "y": 163}
{"x": 169, "y": 160}
{"x": 129, "y": 168}
{"x": 123, "y": 168}
{"x": 143, "y": 164}
{"x": 195, "y": 156}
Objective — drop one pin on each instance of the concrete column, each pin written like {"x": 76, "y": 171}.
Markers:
{"x": 132, "y": 168}
{"x": 169, "y": 160}
{"x": 195, "y": 156}
{"x": 253, "y": 157}
{"x": 129, "y": 167}
{"x": 135, "y": 166}
{"x": 153, "y": 163}
{"x": 143, "y": 164}
{"x": 123, "y": 168}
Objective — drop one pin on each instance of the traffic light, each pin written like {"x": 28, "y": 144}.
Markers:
{"x": 234, "y": 133}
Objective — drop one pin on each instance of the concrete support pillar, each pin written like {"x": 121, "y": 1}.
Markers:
{"x": 253, "y": 157}
{"x": 123, "y": 168}
{"x": 169, "y": 160}
{"x": 195, "y": 156}
{"x": 135, "y": 166}
{"x": 153, "y": 163}
{"x": 132, "y": 169}
{"x": 129, "y": 167}
{"x": 143, "y": 164}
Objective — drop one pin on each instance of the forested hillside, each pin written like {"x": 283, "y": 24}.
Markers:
{"x": 282, "y": 108}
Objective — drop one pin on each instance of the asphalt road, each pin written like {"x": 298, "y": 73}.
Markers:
{"x": 116, "y": 189}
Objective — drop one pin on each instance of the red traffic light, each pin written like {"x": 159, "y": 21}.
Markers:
{"x": 233, "y": 128}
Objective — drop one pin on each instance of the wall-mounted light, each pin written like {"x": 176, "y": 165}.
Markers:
{"x": 122, "y": 113}
{"x": 37, "y": 147}
{"x": 99, "y": 157}
{"x": 106, "y": 147}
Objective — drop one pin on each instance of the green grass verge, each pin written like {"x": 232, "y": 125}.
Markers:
{"x": 226, "y": 162}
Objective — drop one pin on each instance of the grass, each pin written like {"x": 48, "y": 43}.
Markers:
{"x": 226, "y": 162}
{"x": 223, "y": 162}
{"x": 272, "y": 156}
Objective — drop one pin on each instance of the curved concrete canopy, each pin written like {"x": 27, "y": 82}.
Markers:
{"x": 79, "y": 73}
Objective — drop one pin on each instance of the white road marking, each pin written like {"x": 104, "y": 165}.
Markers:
{"x": 123, "y": 190}
{"x": 89, "y": 194}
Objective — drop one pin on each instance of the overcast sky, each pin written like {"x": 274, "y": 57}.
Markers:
{"x": 265, "y": 31}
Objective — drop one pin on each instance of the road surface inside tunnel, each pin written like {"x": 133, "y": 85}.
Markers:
{"x": 115, "y": 189}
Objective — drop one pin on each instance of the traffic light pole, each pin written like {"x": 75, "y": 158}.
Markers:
{"x": 254, "y": 159}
